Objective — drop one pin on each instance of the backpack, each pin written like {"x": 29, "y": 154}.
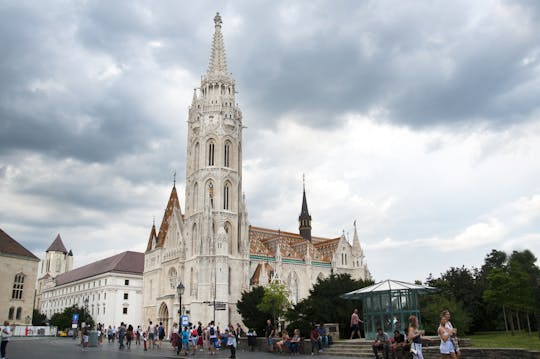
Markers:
{"x": 161, "y": 331}
{"x": 212, "y": 331}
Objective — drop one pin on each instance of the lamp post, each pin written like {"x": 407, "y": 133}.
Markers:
{"x": 180, "y": 291}
{"x": 85, "y": 310}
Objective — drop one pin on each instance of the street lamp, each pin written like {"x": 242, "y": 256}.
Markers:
{"x": 180, "y": 291}
{"x": 85, "y": 310}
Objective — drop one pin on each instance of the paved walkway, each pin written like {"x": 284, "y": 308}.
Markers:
{"x": 61, "y": 348}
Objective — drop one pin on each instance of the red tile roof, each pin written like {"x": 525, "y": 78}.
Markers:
{"x": 10, "y": 246}
{"x": 164, "y": 228}
{"x": 57, "y": 245}
{"x": 126, "y": 262}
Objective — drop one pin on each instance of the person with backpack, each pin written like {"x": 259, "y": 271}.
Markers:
{"x": 194, "y": 336}
{"x": 212, "y": 335}
{"x": 161, "y": 333}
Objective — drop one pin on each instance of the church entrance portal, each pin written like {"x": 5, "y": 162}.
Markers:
{"x": 163, "y": 316}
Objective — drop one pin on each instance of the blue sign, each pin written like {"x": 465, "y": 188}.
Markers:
{"x": 184, "y": 319}
{"x": 75, "y": 318}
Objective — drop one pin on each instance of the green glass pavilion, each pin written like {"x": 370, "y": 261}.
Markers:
{"x": 388, "y": 305}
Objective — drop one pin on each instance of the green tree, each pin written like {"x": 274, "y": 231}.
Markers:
{"x": 63, "y": 320}
{"x": 433, "y": 304}
{"x": 247, "y": 307}
{"x": 38, "y": 319}
{"x": 275, "y": 300}
{"x": 513, "y": 284}
{"x": 324, "y": 304}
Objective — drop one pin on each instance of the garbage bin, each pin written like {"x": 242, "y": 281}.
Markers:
{"x": 93, "y": 338}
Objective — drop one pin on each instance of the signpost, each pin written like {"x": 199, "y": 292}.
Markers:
{"x": 74, "y": 320}
{"x": 184, "y": 319}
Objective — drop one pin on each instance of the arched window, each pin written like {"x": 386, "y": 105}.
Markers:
{"x": 196, "y": 157}
{"x": 227, "y": 154}
{"x": 18, "y": 285}
{"x": 211, "y": 152}
{"x": 226, "y": 196}
{"x": 195, "y": 196}
{"x": 11, "y": 312}
{"x": 19, "y": 312}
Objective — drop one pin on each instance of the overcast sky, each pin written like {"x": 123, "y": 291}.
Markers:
{"x": 420, "y": 120}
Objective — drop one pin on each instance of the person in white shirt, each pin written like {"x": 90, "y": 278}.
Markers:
{"x": 6, "y": 332}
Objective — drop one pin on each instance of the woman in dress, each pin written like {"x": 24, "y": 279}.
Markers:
{"x": 285, "y": 340}
{"x": 447, "y": 347}
{"x": 415, "y": 336}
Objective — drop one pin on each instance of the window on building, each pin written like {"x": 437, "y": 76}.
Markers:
{"x": 19, "y": 313}
{"x": 227, "y": 155}
{"x": 196, "y": 157}
{"x": 126, "y": 282}
{"x": 11, "y": 312}
{"x": 126, "y": 296}
{"x": 18, "y": 285}
{"x": 104, "y": 296}
{"x": 226, "y": 196}
{"x": 124, "y": 310}
{"x": 211, "y": 150}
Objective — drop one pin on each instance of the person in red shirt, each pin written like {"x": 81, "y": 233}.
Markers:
{"x": 315, "y": 342}
{"x": 355, "y": 321}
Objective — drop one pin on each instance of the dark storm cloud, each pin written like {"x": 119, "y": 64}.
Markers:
{"x": 81, "y": 117}
{"x": 416, "y": 61}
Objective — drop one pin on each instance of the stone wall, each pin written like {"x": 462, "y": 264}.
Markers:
{"x": 485, "y": 353}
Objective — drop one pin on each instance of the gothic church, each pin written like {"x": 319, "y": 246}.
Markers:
{"x": 210, "y": 248}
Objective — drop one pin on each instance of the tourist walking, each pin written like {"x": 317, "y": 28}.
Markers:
{"x": 269, "y": 334}
{"x": 129, "y": 336}
{"x": 151, "y": 335}
{"x": 355, "y": 324}
{"x": 212, "y": 338}
{"x": 231, "y": 340}
{"x": 6, "y": 332}
{"x": 138, "y": 335}
{"x": 415, "y": 335}
{"x": 121, "y": 335}
{"x": 453, "y": 338}
{"x": 447, "y": 347}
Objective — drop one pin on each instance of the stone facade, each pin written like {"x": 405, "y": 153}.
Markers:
{"x": 18, "y": 270}
{"x": 210, "y": 248}
{"x": 110, "y": 289}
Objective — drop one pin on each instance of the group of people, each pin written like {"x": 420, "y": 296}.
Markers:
{"x": 398, "y": 346}
{"x": 318, "y": 337}
{"x": 210, "y": 338}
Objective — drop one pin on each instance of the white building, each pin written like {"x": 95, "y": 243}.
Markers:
{"x": 110, "y": 289}
{"x": 210, "y": 247}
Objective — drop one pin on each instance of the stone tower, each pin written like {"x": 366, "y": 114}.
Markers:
{"x": 215, "y": 213}
{"x": 57, "y": 260}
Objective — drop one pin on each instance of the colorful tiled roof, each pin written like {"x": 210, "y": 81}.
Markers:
{"x": 10, "y": 246}
{"x": 163, "y": 229}
{"x": 126, "y": 262}
{"x": 263, "y": 242}
{"x": 57, "y": 245}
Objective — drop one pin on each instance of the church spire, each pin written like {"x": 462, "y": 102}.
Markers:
{"x": 305, "y": 218}
{"x": 218, "y": 64}
{"x": 356, "y": 242}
